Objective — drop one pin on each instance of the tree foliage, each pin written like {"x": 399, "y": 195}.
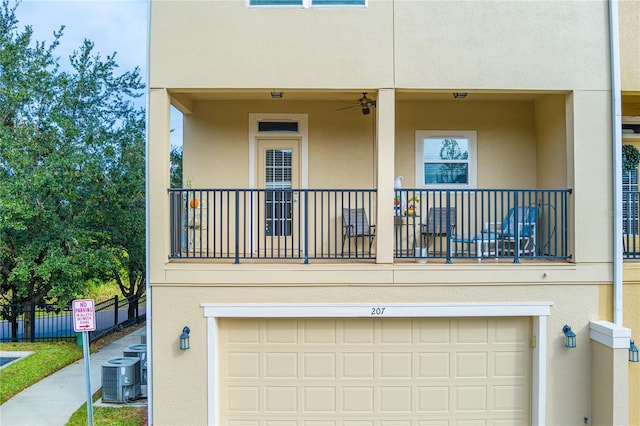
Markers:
{"x": 175, "y": 158}
{"x": 630, "y": 158}
{"x": 71, "y": 169}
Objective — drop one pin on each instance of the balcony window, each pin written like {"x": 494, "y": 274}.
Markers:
{"x": 337, "y": 2}
{"x": 275, "y": 2}
{"x": 445, "y": 159}
{"x": 307, "y": 3}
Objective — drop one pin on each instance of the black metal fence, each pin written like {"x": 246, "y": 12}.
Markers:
{"x": 53, "y": 322}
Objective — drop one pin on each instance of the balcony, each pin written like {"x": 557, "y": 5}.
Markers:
{"x": 280, "y": 225}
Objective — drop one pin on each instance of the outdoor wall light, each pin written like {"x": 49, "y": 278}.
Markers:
{"x": 459, "y": 95}
{"x": 277, "y": 95}
{"x": 184, "y": 338}
{"x": 569, "y": 337}
{"x": 633, "y": 352}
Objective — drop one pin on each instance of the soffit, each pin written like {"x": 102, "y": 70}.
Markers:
{"x": 348, "y": 95}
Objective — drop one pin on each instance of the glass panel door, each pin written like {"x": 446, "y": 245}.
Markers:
{"x": 279, "y": 177}
{"x": 278, "y": 197}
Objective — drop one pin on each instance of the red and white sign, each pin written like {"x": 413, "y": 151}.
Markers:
{"x": 84, "y": 315}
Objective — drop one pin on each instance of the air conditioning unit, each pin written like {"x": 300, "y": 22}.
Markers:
{"x": 139, "y": 351}
{"x": 121, "y": 379}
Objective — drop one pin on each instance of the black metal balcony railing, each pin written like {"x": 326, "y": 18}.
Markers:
{"x": 482, "y": 223}
{"x": 631, "y": 224}
{"x": 306, "y": 224}
{"x": 271, "y": 224}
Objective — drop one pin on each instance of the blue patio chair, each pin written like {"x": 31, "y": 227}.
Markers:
{"x": 503, "y": 238}
{"x": 520, "y": 237}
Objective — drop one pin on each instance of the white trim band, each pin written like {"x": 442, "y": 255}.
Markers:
{"x": 376, "y": 309}
{"x": 609, "y": 334}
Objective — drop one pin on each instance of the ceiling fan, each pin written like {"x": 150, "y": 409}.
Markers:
{"x": 364, "y": 102}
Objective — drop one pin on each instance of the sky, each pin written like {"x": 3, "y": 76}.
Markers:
{"x": 118, "y": 26}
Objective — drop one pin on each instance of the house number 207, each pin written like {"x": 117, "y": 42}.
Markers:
{"x": 377, "y": 311}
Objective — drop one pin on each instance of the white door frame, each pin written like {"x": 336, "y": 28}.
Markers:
{"x": 539, "y": 311}
{"x": 303, "y": 134}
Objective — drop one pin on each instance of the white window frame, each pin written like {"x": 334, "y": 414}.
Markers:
{"x": 307, "y": 4}
{"x": 471, "y": 135}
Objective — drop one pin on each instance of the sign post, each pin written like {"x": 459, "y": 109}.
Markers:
{"x": 84, "y": 320}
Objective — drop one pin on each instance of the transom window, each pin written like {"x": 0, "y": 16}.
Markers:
{"x": 307, "y": 3}
{"x": 445, "y": 159}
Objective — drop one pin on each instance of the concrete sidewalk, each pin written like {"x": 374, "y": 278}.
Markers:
{"x": 54, "y": 399}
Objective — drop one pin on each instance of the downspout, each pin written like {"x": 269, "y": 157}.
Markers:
{"x": 616, "y": 133}
{"x": 149, "y": 315}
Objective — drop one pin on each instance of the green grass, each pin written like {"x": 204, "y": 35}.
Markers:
{"x": 107, "y": 416}
{"x": 51, "y": 357}
{"x": 102, "y": 291}
{"x": 48, "y": 358}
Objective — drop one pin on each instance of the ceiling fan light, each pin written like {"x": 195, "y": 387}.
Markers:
{"x": 365, "y": 110}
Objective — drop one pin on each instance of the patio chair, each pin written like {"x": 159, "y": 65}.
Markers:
{"x": 441, "y": 221}
{"x": 500, "y": 238}
{"x": 356, "y": 225}
{"x": 521, "y": 237}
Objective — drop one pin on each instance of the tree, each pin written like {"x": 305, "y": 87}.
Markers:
{"x": 119, "y": 214}
{"x": 630, "y": 158}
{"x": 67, "y": 157}
{"x": 114, "y": 131}
{"x": 175, "y": 157}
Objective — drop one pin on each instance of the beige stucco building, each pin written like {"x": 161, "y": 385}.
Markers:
{"x": 319, "y": 287}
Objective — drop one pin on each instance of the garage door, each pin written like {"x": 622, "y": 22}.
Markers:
{"x": 352, "y": 371}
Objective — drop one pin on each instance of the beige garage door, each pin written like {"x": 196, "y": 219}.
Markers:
{"x": 420, "y": 371}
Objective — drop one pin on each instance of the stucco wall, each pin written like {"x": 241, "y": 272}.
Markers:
{"x": 551, "y": 133}
{"x": 488, "y": 44}
{"x": 340, "y": 149}
{"x": 631, "y": 320}
{"x": 603, "y": 386}
{"x": 629, "y": 21}
{"x": 501, "y": 44}
{"x": 631, "y": 306}
{"x": 175, "y": 372}
{"x": 631, "y": 302}
{"x": 505, "y": 132}
{"x": 226, "y": 44}
{"x": 609, "y": 387}
{"x": 341, "y": 143}
{"x": 591, "y": 175}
